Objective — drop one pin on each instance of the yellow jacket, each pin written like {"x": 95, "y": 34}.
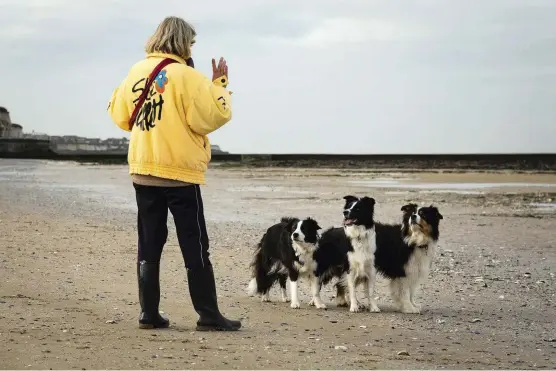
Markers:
{"x": 169, "y": 138}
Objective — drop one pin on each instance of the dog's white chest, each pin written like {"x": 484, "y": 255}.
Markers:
{"x": 359, "y": 263}
{"x": 308, "y": 265}
{"x": 361, "y": 259}
{"x": 420, "y": 262}
{"x": 305, "y": 255}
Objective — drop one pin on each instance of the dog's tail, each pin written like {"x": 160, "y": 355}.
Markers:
{"x": 256, "y": 267}
{"x": 263, "y": 275}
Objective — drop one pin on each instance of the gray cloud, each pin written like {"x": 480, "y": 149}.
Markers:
{"x": 363, "y": 76}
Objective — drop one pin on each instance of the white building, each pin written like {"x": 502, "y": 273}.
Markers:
{"x": 16, "y": 131}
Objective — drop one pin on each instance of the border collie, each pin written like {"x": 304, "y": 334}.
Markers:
{"x": 285, "y": 251}
{"x": 404, "y": 253}
{"x": 354, "y": 245}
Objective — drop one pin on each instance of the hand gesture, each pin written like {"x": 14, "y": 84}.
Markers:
{"x": 220, "y": 70}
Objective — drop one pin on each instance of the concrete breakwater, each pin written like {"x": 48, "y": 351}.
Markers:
{"x": 42, "y": 149}
{"x": 407, "y": 162}
{"x": 25, "y": 148}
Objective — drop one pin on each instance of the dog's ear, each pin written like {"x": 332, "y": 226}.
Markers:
{"x": 438, "y": 215}
{"x": 409, "y": 208}
{"x": 369, "y": 200}
{"x": 314, "y": 222}
{"x": 350, "y": 198}
{"x": 292, "y": 223}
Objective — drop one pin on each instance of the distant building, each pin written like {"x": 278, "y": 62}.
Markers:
{"x": 76, "y": 144}
{"x": 35, "y": 135}
{"x": 5, "y": 123}
{"x": 215, "y": 149}
{"x": 7, "y": 128}
{"x": 16, "y": 131}
{"x": 70, "y": 143}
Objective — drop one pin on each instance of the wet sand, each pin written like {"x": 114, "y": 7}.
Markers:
{"x": 69, "y": 292}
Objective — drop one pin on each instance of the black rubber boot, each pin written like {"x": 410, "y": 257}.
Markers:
{"x": 149, "y": 296}
{"x": 202, "y": 289}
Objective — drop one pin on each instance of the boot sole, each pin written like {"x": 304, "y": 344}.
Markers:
{"x": 216, "y": 328}
{"x": 149, "y": 326}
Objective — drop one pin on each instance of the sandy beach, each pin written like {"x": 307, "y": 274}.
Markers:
{"x": 68, "y": 293}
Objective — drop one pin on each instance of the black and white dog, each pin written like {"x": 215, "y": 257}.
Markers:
{"x": 353, "y": 247}
{"x": 287, "y": 250}
{"x": 405, "y": 253}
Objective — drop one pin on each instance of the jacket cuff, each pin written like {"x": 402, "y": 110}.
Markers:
{"x": 221, "y": 81}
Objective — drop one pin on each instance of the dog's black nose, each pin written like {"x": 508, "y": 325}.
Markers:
{"x": 413, "y": 217}
{"x": 346, "y": 212}
{"x": 295, "y": 235}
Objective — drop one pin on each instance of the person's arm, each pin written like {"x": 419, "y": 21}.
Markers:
{"x": 117, "y": 108}
{"x": 211, "y": 107}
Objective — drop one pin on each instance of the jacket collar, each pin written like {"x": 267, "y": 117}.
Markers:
{"x": 165, "y": 55}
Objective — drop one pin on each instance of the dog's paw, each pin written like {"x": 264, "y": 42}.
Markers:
{"x": 265, "y": 299}
{"x": 374, "y": 309}
{"x": 341, "y": 302}
{"x": 285, "y": 300}
{"x": 320, "y": 306}
{"x": 410, "y": 309}
{"x": 295, "y": 305}
{"x": 354, "y": 309}
{"x": 312, "y": 303}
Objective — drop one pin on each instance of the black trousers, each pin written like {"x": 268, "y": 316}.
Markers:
{"x": 186, "y": 205}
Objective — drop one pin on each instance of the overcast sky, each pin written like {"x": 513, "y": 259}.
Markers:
{"x": 308, "y": 76}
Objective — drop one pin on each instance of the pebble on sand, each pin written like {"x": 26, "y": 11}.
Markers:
{"x": 403, "y": 353}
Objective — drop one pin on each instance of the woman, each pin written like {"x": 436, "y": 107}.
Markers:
{"x": 169, "y": 108}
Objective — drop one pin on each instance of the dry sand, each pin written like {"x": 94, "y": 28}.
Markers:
{"x": 68, "y": 293}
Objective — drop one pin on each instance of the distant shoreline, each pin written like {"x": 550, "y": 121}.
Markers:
{"x": 540, "y": 163}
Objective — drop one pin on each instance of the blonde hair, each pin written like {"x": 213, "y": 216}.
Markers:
{"x": 172, "y": 36}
